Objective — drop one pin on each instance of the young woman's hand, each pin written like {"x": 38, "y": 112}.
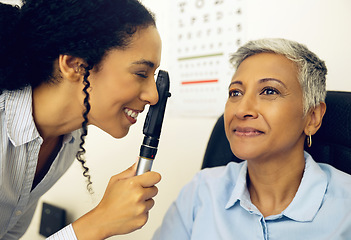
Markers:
{"x": 123, "y": 208}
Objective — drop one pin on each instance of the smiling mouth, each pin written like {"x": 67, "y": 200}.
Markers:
{"x": 131, "y": 114}
{"x": 247, "y": 132}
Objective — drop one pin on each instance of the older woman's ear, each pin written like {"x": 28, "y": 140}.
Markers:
{"x": 314, "y": 119}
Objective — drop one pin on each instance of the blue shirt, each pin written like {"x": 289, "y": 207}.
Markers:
{"x": 19, "y": 149}
{"x": 216, "y": 205}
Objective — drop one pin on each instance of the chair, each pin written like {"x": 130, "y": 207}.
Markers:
{"x": 331, "y": 144}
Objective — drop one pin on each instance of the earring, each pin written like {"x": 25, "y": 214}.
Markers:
{"x": 309, "y": 140}
{"x": 80, "y": 70}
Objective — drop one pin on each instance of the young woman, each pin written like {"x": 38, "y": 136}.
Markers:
{"x": 66, "y": 64}
{"x": 275, "y": 102}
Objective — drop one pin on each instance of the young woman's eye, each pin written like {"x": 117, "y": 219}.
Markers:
{"x": 234, "y": 93}
{"x": 270, "y": 91}
{"x": 142, "y": 75}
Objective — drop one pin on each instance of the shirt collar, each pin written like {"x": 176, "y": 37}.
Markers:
{"x": 240, "y": 191}
{"x": 21, "y": 128}
{"x": 307, "y": 200}
{"x": 309, "y": 196}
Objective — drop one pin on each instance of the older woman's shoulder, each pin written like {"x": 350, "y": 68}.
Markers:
{"x": 209, "y": 182}
{"x": 219, "y": 179}
{"x": 339, "y": 182}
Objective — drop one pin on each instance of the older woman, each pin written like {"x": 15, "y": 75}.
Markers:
{"x": 276, "y": 101}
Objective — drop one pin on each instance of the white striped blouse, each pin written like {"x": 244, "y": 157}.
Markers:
{"x": 19, "y": 148}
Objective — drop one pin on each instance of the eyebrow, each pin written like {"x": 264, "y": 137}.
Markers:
{"x": 263, "y": 80}
{"x": 235, "y": 82}
{"x": 144, "y": 62}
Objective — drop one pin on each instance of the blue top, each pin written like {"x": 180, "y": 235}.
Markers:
{"x": 216, "y": 205}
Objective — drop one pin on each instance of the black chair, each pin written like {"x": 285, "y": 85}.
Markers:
{"x": 331, "y": 144}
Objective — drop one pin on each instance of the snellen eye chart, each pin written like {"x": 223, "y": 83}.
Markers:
{"x": 203, "y": 35}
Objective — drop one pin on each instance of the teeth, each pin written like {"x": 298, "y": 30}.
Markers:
{"x": 131, "y": 113}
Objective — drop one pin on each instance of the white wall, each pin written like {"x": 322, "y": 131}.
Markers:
{"x": 323, "y": 25}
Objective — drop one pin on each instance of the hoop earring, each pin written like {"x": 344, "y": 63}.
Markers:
{"x": 309, "y": 140}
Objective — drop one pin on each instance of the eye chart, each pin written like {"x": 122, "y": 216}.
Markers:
{"x": 203, "y": 35}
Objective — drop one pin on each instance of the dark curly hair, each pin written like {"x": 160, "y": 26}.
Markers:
{"x": 33, "y": 36}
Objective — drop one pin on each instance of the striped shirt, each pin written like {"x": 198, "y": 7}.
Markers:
{"x": 19, "y": 149}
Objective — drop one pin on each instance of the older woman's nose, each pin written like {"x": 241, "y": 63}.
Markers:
{"x": 246, "y": 108}
{"x": 149, "y": 92}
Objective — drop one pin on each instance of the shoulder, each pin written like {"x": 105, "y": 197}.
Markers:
{"x": 16, "y": 98}
{"x": 230, "y": 173}
{"x": 213, "y": 181}
{"x": 208, "y": 189}
{"x": 338, "y": 182}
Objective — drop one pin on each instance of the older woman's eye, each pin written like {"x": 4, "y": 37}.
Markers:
{"x": 270, "y": 91}
{"x": 234, "y": 93}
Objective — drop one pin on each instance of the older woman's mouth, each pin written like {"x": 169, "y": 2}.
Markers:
{"x": 247, "y": 132}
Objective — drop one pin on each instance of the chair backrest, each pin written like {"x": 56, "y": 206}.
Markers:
{"x": 331, "y": 144}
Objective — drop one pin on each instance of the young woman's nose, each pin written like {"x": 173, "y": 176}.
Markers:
{"x": 149, "y": 92}
{"x": 246, "y": 107}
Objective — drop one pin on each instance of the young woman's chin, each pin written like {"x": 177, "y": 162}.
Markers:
{"x": 120, "y": 133}
{"x": 115, "y": 132}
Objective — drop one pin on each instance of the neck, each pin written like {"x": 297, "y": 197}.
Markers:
{"x": 55, "y": 113}
{"x": 273, "y": 184}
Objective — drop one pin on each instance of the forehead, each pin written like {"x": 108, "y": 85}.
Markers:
{"x": 267, "y": 65}
{"x": 146, "y": 42}
{"x": 143, "y": 49}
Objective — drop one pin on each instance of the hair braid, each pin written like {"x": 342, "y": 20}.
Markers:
{"x": 81, "y": 152}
